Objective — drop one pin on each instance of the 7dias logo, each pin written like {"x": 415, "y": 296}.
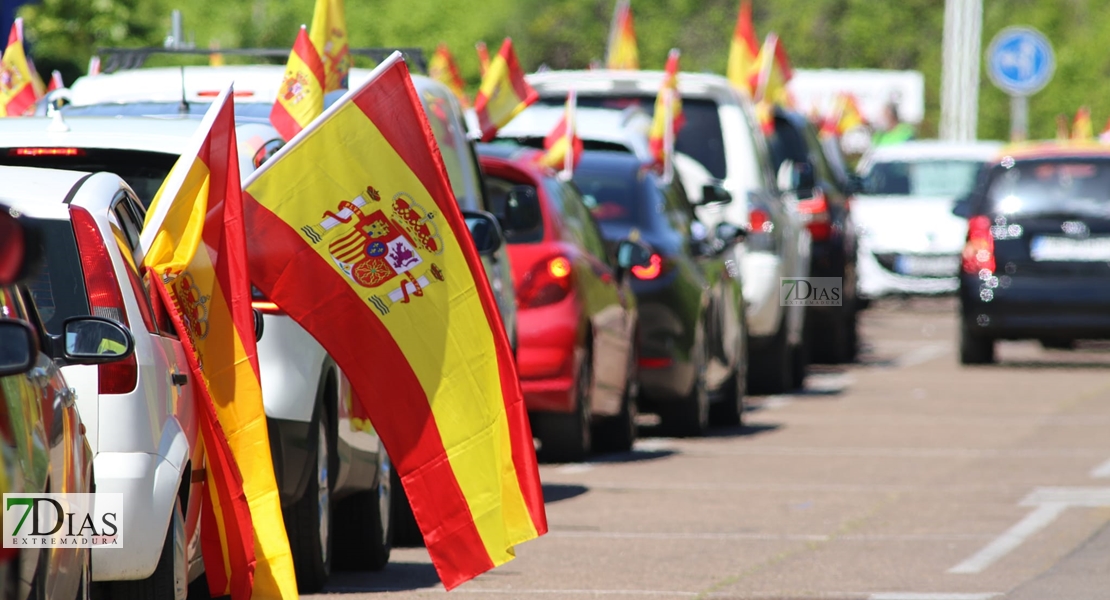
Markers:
{"x": 62, "y": 520}
{"x": 811, "y": 291}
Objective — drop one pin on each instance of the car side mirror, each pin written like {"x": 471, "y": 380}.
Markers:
{"x": 18, "y": 349}
{"x": 962, "y": 207}
{"x": 522, "y": 209}
{"x": 95, "y": 340}
{"x": 727, "y": 233}
{"x": 484, "y": 230}
{"x": 714, "y": 193}
{"x": 633, "y": 254}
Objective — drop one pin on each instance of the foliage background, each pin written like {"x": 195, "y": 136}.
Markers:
{"x": 572, "y": 33}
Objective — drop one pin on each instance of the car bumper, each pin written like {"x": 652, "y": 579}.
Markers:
{"x": 1037, "y": 308}
{"x": 876, "y": 280}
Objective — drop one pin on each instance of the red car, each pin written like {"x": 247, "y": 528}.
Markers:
{"x": 576, "y": 315}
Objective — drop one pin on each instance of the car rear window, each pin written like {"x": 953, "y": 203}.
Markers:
{"x": 143, "y": 171}
{"x": 613, "y": 196}
{"x": 700, "y": 138}
{"x": 921, "y": 178}
{"x": 59, "y": 287}
{"x": 1071, "y": 186}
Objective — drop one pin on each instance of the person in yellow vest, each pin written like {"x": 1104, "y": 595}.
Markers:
{"x": 893, "y": 131}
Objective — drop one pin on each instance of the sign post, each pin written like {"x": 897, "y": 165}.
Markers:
{"x": 1020, "y": 62}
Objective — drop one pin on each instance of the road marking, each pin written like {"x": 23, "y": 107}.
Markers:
{"x": 829, "y": 382}
{"x": 931, "y": 596}
{"x": 520, "y": 593}
{"x": 574, "y": 468}
{"x": 921, "y": 355}
{"x": 773, "y": 402}
{"x": 765, "y": 537}
{"x": 1102, "y": 471}
{"x": 888, "y": 452}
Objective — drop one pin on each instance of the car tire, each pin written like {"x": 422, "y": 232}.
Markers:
{"x": 618, "y": 434}
{"x": 689, "y": 416}
{"x": 309, "y": 521}
{"x": 365, "y": 540}
{"x": 1058, "y": 344}
{"x": 799, "y": 355}
{"x": 406, "y": 533}
{"x": 771, "y": 369}
{"x": 567, "y": 438}
{"x": 975, "y": 349}
{"x": 169, "y": 580}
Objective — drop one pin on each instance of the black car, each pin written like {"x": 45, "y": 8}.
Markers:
{"x": 1037, "y": 260}
{"x": 814, "y": 170}
{"x": 692, "y": 338}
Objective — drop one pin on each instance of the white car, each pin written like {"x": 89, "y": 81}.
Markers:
{"x": 721, "y": 133}
{"x": 138, "y": 413}
{"x": 909, "y": 240}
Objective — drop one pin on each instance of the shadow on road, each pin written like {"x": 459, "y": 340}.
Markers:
{"x": 1043, "y": 365}
{"x": 746, "y": 430}
{"x": 632, "y": 456}
{"x": 396, "y": 577}
{"x": 555, "y": 492}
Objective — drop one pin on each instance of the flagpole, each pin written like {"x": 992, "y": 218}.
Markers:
{"x": 770, "y": 46}
{"x": 668, "y": 135}
{"x": 570, "y": 133}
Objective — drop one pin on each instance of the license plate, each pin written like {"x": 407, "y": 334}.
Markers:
{"x": 927, "y": 266}
{"x": 1062, "y": 249}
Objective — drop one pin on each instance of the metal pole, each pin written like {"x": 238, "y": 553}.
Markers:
{"x": 1019, "y": 118}
{"x": 959, "y": 102}
{"x": 177, "y": 30}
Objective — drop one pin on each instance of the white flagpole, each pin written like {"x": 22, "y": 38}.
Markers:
{"x": 668, "y": 135}
{"x": 770, "y": 46}
{"x": 571, "y": 131}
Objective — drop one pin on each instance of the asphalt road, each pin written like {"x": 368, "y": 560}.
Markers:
{"x": 903, "y": 477}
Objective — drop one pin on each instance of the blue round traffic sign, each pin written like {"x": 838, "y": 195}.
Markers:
{"x": 1020, "y": 61}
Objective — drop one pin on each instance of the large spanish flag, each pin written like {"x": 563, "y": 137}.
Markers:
{"x": 329, "y": 36}
{"x": 668, "y": 118}
{"x": 356, "y": 235}
{"x": 503, "y": 93}
{"x": 195, "y": 244}
{"x": 443, "y": 69}
{"x": 17, "y": 91}
{"x": 301, "y": 95}
{"x": 743, "y": 50}
{"x": 563, "y": 148}
{"x": 622, "y": 52}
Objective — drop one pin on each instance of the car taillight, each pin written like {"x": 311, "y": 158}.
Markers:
{"x": 260, "y": 302}
{"x": 815, "y": 213}
{"x": 978, "y": 255}
{"x": 548, "y": 282}
{"x": 760, "y": 221}
{"x": 105, "y": 298}
{"x": 653, "y": 269}
{"x": 46, "y": 152}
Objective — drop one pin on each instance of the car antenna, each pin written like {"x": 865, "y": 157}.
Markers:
{"x": 183, "y": 108}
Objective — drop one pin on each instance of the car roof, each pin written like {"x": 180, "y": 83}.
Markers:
{"x": 606, "y": 160}
{"x": 934, "y": 150}
{"x": 603, "y": 81}
{"x": 37, "y": 192}
{"x": 1052, "y": 149}
{"x": 625, "y": 128}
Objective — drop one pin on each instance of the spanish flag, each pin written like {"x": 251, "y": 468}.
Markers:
{"x": 668, "y": 118}
{"x": 844, "y": 117}
{"x": 329, "y": 36}
{"x": 483, "y": 57}
{"x": 774, "y": 72}
{"x": 56, "y": 82}
{"x": 1081, "y": 128}
{"x": 355, "y": 234}
{"x": 503, "y": 93}
{"x": 301, "y": 95}
{"x": 563, "y": 148}
{"x": 17, "y": 91}
{"x": 195, "y": 244}
{"x": 443, "y": 69}
{"x": 743, "y": 51}
{"x": 622, "y": 52}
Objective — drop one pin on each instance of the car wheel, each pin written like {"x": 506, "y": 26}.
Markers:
{"x": 800, "y": 357}
{"x": 618, "y": 434}
{"x": 365, "y": 540}
{"x": 771, "y": 368}
{"x": 975, "y": 349}
{"x": 689, "y": 417}
{"x": 309, "y": 522}
{"x": 568, "y": 437}
{"x": 169, "y": 579}
{"x": 406, "y": 533}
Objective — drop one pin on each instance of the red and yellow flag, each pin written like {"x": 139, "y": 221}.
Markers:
{"x": 1081, "y": 127}
{"x": 301, "y": 95}
{"x": 195, "y": 244}
{"x": 774, "y": 72}
{"x": 17, "y": 91}
{"x": 844, "y": 117}
{"x": 668, "y": 118}
{"x": 443, "y": 69}
{"x": 622, "y": 52}
{"x": 503, "y": 93}
{"x": 329, "y": 36}
{"x": 377, "y": 263}
{"x": 743, "y": 51}
{"x": 483, "y": 58}
{"x": 563, "y": 148}
{"x": 56, "y": 82}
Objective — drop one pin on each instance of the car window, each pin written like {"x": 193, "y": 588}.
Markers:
{"x": 921, "y": 178}
{"x": 143, "y": 171}
{"x": 677, "y": 209}
{"x": 499, "y": 190}
{"x": 1070, "y": 186}
{"x": 825, "y": 174}
{"x": 59, "y": 286}
{"x": 454, "y": 147}
{"x": 614, "y": 196}
{"x": 125, "y": 230}
{"x": 575, "y": 208}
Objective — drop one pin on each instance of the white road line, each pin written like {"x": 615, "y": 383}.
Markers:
{"x": 1035, "y": 521}
{"x": 931, "y": 596}
{"x": 888, "y": 452}
{"x": 521, "y": 593}
{"x": 574, "y": 468}
{"x": 829, "y": 382}
{"x": 921, "y": 355}
{"x": 1102, "y": 471}
{"x": 772, "y": 537}
{"x": 773, "y": 402}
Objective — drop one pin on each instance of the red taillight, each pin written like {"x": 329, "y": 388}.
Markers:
{"x": 760, "y": 221}
{"x": 651, "y": 271}
{"x": 46, "y": 152}
{"x": 261, "y": 303}
{"x": 105, "y": 298}
{"x": 815, "y": 212}
{"x": 548, "y": 282}
{"x": 978, "y": 252}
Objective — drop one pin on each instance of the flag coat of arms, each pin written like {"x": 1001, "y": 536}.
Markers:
{"x": 301, "y": 95}
{"x": 329, "y": 35}
{"x": 443, "y": 69}
{"x": 622, "y": 52}
{"x": 562, "y": 147}
{"x": 17, "y": 90}
{"x": 668, "y": 118}
{"x": 503, "y": 93}
{"x": 195, "y": 254}
{"x": 743, "y": 50}
{"x": 357, "y": 236}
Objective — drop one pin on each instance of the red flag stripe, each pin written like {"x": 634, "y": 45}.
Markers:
{"x": 308, "y": 53}
{"x": 283, "y": 121}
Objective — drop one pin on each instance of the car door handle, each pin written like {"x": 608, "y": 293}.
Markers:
{"x": 179, "y": 379}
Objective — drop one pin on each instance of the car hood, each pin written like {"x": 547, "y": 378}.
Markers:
{"x": 909, "y": 224}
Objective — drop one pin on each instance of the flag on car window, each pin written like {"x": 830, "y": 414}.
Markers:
{"x": 1081, "y": 127}
{"x": 483, "y": 57}
{"x": 301, "y": 95}
{"x": 443, "y": 69}
{"x": 563, "y": 147}
{"x": 195, "y": 252}
{"x": 17, "y": 91}
{"x": 668, "y": 118}
{"x": 329, "y": 36}
{"x": 503, "y": 93}
{"x": 743, "y": 50}
{"x": 622, "y": 52}
{"x": 357, "y": 236}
